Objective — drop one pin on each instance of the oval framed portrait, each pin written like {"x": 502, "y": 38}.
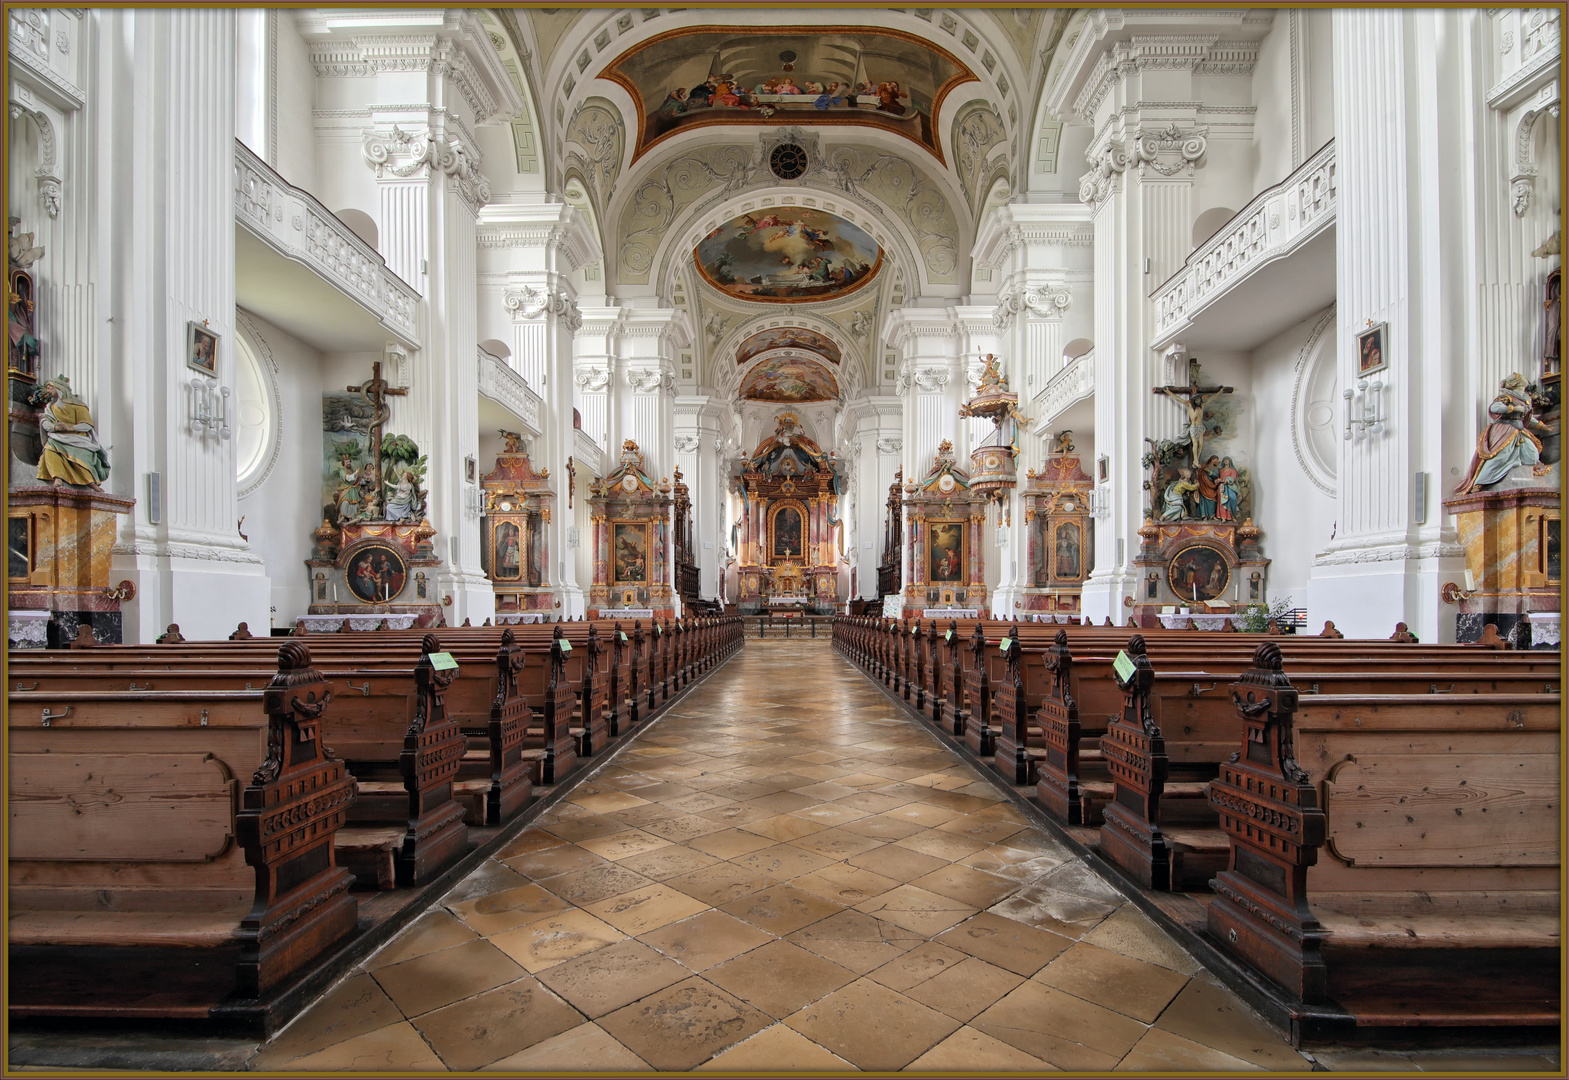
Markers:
{"x": 376, "y": 573}
{"x": 1198, "y": 572}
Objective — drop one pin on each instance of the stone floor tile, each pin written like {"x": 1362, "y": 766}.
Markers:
{"x": 706, "y": 939}
{"x": 837, "y": 844}
{"x": 856, "y": 941}
{"x": 429, "y": 933}
{"x": 1161, "y": 1051}
{"x": 428, "y": 982}
{"x": 609, "y": 978}
{"x": 527, "y": 842}
{"x": 606, "y": 802}
{"x": 970, "y": 1051}
{"x": 596, "y": 883}
{"x": 721, "y": 883}
{"x": 553, "y": 862}
{"x": 989, "y": 830}
{"x": 873, "y": 1027}
{"x": 783, "y": 861}
{"x": 490, "y": 877}
{"x": 784, "y": 827}
{"x": 779, "y": 978}
{"x": 1131, "y": 987}
{"x": 571, "y": 1051}
{"x": 871, "y": 802}
{"x": 780, "y": 909}
{"x": 1072, "y": 1034}
{"x": 475, "y": 1032}
{"x": 621, "y": 845}
{"x": 777, "y": 1049}
{"x": 585, "y": 828}
{"x": 698, "y": 802}
{"x": 975, "y": 887}
{"x": 1217, "y": 1018}
{"x": 965, "y": 989}
{"x": 646, "y": 908}
{"x": 669, "y": 862}
{"x": 1021, "y": 949}
{"x": 395, "y": 1048}
{"x": 914, "y": 908}
{"x": 682, "y": 1026}
{"x": 356, "y": 1006}
{"x": 925, "y": 961}
{"x": 737, "y": 813}
{"x": 844, "y": 884}
{"x": 507, "y": 909}
{"x": 941, "y": 845}
{"x": 1130, "y": 932}
{"x": 556, "y": 939}
{"x": 898, "y": 863}
{"x": 728, "y": 843}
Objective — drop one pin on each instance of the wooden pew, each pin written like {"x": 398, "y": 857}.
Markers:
{"x": 136, "y": 853}
{"x": 1438, "y": 823}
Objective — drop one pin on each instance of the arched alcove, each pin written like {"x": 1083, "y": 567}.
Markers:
{"x": 1209, "y": 223}
{"x": 361, "y": 225}
{"x": 499, "y": 349}
{"x": 1075, "y": 349}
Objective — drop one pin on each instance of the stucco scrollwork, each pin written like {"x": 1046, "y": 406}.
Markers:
{"x": 898, "y": 184}
{"x": 890, "y": 445}
{"x": 591, "y": 380}
{"x": 1171, "y": 150}
{"x": 649, "y": 214}
{"x": 929, "y": 380}
{"x": 688, "y": 444}
{"x": 598, "y": 130}
{"x": 861, "y": 324}
{"x": 976, "y": 130}
{"x": 1106, "y": 164}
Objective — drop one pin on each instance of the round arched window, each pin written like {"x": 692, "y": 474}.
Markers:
{"x": 255, "y": 416}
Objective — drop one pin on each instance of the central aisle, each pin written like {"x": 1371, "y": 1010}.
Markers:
{"x": 782, "y": 873}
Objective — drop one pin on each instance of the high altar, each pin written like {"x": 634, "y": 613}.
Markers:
{"x": 514, "y": 549}
{"x": 790, "y": 492}
{"x": 631, "y": 517}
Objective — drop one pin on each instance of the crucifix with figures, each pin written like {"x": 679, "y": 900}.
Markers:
{"x": 1193, "y": 398}
{"x": 377, "y": 390}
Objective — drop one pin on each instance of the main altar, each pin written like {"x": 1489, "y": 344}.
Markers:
{"x": 788, "y": 559}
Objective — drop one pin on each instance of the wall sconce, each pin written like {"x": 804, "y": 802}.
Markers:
{"x": 1371, "y": 421}
{"x": 1452, "y": 593}
{"x": 1100, "y": 501}
{"x": 209, "y": 409}
{"x": 474, "y": 498}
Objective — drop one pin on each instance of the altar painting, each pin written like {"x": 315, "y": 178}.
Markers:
{"x": 375, "y": 574}
{"x": 507, "y": 557}
{"x": 945, "y": 552}
{"x": 787, "y": 533}
{"x": 790, "y": 381}
{"x": 630, "y": 553}
{"x": 786, "y": 255}
{"x": 1198, "y": 573}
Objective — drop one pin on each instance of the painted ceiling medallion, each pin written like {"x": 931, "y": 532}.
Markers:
{"x": 704, "y": 75}
{"x": 788, "y": 256}
{"x": 788, "y": 337}
{"x": 789, "y": 379}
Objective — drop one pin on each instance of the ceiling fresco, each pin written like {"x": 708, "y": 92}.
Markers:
{"x": 788, "y": 255}
{"x": 706, "y": 75}
{"x": 787, "y": 337}
{"x": 790, "y": 380}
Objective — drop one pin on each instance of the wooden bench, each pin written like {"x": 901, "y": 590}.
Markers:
{"x": 185, "y": 834}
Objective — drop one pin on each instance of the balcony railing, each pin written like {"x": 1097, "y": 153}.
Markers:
{"x": 1075, "y": 382}
{"x": 589, "y": 454}
{"x": 1276, "y": 223}
{"x": 511, "y": 391}
{"x": 294, "y": 223}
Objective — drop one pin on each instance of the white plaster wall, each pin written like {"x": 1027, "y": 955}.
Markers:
{"x": 296, "y": 95}
{"x": 281, "y": 514}
{"x": 1296, "y": 516}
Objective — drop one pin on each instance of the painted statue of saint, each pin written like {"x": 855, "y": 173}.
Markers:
{"x": 1509, "y": 441}
{"x": 71, "y": 454}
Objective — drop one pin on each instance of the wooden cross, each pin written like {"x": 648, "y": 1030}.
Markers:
{"x": 376, "y": 390}
{"x": 1193, "y": 397}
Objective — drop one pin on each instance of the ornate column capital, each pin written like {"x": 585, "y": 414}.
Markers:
{"x": 650, "y": 380}
{"x": 1107, "y": 162}
{"x": 405, "y": 155}
{"x": 1170, "y": 150}
{"x": 1044, "y": 302}
{"x": 527, "y": 303}
{"x": 591, "y": 380}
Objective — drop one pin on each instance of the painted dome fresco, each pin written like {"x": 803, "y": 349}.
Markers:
{"x": 788, "y": 255}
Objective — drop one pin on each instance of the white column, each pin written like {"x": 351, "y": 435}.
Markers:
{"x": 166, "y": 242}
{"x": 1396, "y": 237}
{"x": 698, "y": 445}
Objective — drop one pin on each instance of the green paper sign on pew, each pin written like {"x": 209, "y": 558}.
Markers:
{"x": 566, "y": 646}
{"x": 1005, "y": 644}
{"x": 1123, "y": 666}
{"x": 443, "y": 661}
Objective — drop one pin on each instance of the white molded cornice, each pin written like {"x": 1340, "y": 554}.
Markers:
{"x": 447, "y": 42}
{"x": 556, "y": 228}
{"x": 1013, "y": 226}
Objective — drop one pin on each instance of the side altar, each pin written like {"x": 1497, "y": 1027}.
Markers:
{"x": 790, "y": 491}
{"x": 947, "y": 558}
{"x": 514, "y": 546}
{"x": 373, "y": 551}
{"x": 631, "y": 516}
{"x": 1198, "y": 546}
{"x": 1061, "y": 531}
